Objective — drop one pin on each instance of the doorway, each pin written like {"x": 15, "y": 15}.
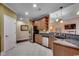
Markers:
{"x": 9, "y": 33}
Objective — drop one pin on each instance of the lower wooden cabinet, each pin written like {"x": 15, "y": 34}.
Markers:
{"x": 50, "y": 42}
{"x": 61, "y": 50}
{"x": 38, "y": 38}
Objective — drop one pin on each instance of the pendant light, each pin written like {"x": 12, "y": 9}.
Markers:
{"x": 60, "y": 19}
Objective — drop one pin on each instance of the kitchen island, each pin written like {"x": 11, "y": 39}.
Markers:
{"x": 64, "y": 48}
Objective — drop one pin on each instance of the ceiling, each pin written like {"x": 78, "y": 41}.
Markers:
{"x": 67, "y": 13}
{"x": 46, "y": 8}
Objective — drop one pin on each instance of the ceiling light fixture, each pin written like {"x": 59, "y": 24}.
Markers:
{"x": 26, "y": 13}
{"x": 51, "y": 27}
{"x": 59, "y": 19}
{"x": 34, "y": 5}
{"x": 77, "y": 13}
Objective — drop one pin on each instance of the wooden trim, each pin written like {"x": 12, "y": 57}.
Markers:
{"x": 22, "y": 40}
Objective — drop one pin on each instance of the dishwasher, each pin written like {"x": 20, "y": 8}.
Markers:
{"x": 45, "y": 41}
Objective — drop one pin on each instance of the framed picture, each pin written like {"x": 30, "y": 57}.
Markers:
{"x": 24, "y": 27}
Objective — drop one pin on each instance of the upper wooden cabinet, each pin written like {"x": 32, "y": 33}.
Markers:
{"x": 42, "y": 24}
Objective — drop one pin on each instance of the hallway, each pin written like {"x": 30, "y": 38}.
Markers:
{"x": 29, "y": 49}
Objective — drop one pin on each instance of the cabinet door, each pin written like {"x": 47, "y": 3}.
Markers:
{"x": 58, "y": 50}
{"x": 61, "y": 50}
{"x": 38, "y": 38}
{"x": 50, "y": 43}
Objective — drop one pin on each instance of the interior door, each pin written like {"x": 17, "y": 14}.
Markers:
{"x": 9, "y": 33}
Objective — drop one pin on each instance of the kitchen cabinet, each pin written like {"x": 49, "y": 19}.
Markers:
{"x": 62, "y": 50}
{"x": 38, "y": 38}
{"x": 46, "y": 41}
{"x": 41, "y": 40}
{"x": 42, "y": 23}
{"x": 50, "y": 42}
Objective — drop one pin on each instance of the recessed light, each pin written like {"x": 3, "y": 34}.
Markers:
{"x": 77, "y": 13}
{"x": 34, "y": 5}
{"x": 26, "y": 13}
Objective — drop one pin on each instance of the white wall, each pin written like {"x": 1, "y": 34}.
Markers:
{"x": 69, "y": 21}
{"x": 73, "y": 21}
{"x": 22, "y": 35}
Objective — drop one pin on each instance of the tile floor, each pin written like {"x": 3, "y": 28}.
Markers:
{"x": 29, "y": 49}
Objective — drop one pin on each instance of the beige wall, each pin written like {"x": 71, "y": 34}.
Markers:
{"x": 1, "y": 20}
{"x": 69, "y": 21}
{"x": 22, "y": 35}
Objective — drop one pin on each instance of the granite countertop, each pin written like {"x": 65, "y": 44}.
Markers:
{"x": 62, "y": 41}
{"x": 66, "y": 43}
{"x": 44, "y": 34}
